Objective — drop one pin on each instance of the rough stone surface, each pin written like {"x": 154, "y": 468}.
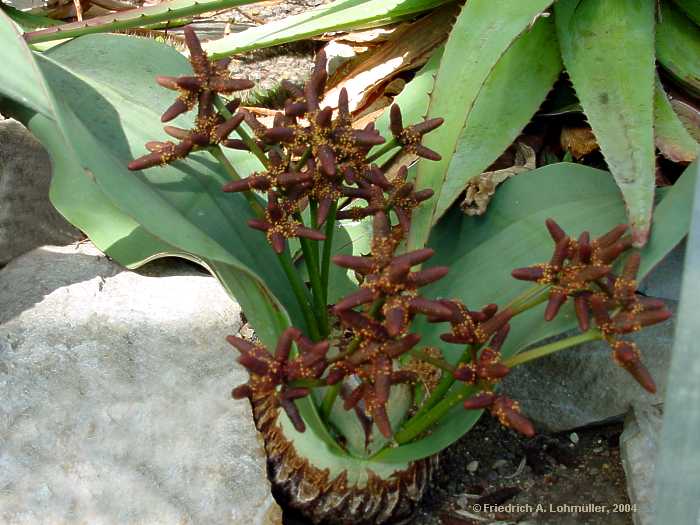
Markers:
{"x": 115, "y": 397}
{"x": 27, "y": 218}
{"x": 664, "y": 280}
{"x": 582, "y": 385}
{"x": 639, "y": 450}
{"x": 268, "y": 67}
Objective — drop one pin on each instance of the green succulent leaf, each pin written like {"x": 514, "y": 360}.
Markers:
{"x": 336, "y": 16}
{"x": 671, "y": 137}
{"x": 678, "y": 466}
{"x": 691, "y": 8}
{"x": 77, "y": 196}
{"x": 480, "y": 36}
{"x": 678, "y": 48}
{"x": 482, "y": 251}
{"x": 512, "y": 93}
{"x": 608, "y": 51}
{"x": 27, "y": 20}
{"x": 19, "y": 78}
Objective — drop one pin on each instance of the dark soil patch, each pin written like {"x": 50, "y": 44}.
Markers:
{"x": 534, "y": 481}
{"x": 543, "y": 479}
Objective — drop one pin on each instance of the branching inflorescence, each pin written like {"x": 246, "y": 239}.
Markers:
{"x": 583, "y": 270}
{"x": 198, "y": 91}
{"x": 314, "y": 159}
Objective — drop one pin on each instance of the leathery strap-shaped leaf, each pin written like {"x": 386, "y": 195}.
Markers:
{"x": 336, "y": 16}
{"x": 479, "y": 37}
{"x": 608, "y": 51}
{"x": 512, "y": 93}
{"x": 672, "y": 138}
{"x": 678, "y": 47}
{"x": 691, "y": 8}
{"x": 678, "y": 468}
{"x": 19, "y": 76}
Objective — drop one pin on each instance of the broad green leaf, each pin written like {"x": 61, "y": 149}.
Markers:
{"x": 678, "y": 48}
{"x": 608, "y": 51}
{"x": 512, "y": 93}
{"x": 19, "y": 78}
{"x": 336, "y": 16}
{"x": 482, "y": 251}
{"x": 107, "y": 120}
{"x": 671, "y": 137}
{"x": 671, "y": 219}
{"x": 27, "y": 20}
{"x": 677, "y": 472}
{"x": 691, "y": 8}
{"x": 480, "y": 36}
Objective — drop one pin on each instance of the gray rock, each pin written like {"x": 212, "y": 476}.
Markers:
{"x": 27, "y": 218}
{"x": 638, "y": 451}
{"x": 664, "y": 280}
{"x": 583, "y": 385}
{"x": 115, "y": 397}
{"x": 268, "y": 67}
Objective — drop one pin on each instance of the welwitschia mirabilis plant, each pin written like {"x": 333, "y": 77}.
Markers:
{"x": 343, "y": 368}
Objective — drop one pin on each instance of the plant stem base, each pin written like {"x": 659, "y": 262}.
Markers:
{"x": 308, "y": 489}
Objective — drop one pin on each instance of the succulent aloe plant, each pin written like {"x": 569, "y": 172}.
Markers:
{"x": 345, "y": 335}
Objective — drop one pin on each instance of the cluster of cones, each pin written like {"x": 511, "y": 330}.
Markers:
{"x": 389, "y": 288}
{"x": 484, "y": 331}
{"x": 270, "y": 371}
{"x": 582, "y": 269}
{"x": 334, "y": 166}
{"x": 314, "y": 155}
{"x": 198, "y": 90}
